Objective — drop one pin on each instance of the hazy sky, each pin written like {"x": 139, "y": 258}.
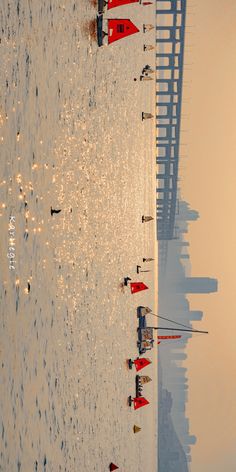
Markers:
{"x": 209, "y": 180}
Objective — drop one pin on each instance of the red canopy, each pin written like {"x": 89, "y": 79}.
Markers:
{"x": 168, "y": 337}
{"x": 139, "y": 402}
{"x": 137, "y": 287}
{"x": 117, "y": 3}
{"x": 118, "y": 29}
{"x": 141, "y": 363}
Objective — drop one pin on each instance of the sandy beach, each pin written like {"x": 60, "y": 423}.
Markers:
{"x": 72, "y": 137}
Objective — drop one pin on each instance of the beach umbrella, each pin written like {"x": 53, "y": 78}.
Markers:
{"x": 138, "y": 269}
{"x": 136, "y": 429}
{"x": 139, "y": 402}
{"x": 145, "y": 219}
{"x": 145, "y": 78}
{"x": 144, "y": 379}
{"x": 113, "y": 466}
{"x": 148, "y": 47}
{"x": 140, "y": 363}
{"x": 137, "y": 287}
{"x": 147, "y": 27}
{"x": 147, "y": 116}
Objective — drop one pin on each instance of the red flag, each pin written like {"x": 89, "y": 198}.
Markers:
{"x": 117, "y": 3}
{"x": 137, "y": 287}
{"x": 118, "y": 29}
{"x": 141, "y": 363}
{"x": 113, "y": 466}
{"x": 139, "y": 402}
{"x": 168, "y": 337}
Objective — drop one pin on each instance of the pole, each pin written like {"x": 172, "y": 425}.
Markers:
{"x": 178, "y": 329}
{"x": 167, "y": 319}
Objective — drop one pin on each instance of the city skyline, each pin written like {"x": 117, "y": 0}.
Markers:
{"x": 207, "y": 183}
{"x": 174, "y": 287}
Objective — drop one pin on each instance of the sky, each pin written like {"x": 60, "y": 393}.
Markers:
{"x": 208, "y": 179}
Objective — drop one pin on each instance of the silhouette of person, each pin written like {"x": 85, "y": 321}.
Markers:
{"x": 54, "y": 211}
{"x": 126, "y": 279}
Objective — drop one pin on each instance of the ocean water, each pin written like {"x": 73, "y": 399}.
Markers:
{"x": 71, "y": 137}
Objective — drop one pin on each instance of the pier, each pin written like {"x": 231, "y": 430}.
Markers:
{"x": 170, "y": 34}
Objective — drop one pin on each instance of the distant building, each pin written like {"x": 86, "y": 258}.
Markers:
{"x": 184, "y": 256}
{"x": 197, "y": 285}
{"x": 192, "y": 439}
{"x": 185, "y": 212}
{"x": 174, "y": 456}
{"x": 187, "y": 449}
{"x": 167, "y": 400}
{"x": 195, "y": 315}
{"x": 180, "y": 355}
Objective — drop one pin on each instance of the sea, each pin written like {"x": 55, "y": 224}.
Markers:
{"x": 72, "y": 139}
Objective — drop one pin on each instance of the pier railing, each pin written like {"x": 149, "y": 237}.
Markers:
{"x": 170, "y": 34}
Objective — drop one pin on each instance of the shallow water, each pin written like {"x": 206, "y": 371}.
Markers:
{"x": 72, "y": 138}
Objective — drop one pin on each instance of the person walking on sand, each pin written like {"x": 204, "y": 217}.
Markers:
{"x": 54, "y": 211}
{"x": 126, "y": 280}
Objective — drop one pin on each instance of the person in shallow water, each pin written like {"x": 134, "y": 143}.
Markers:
{"x": 126, "y": 280}
{"x": 54, "y": 211}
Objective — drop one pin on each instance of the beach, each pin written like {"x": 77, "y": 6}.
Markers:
{"x": 72, "y": 138}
